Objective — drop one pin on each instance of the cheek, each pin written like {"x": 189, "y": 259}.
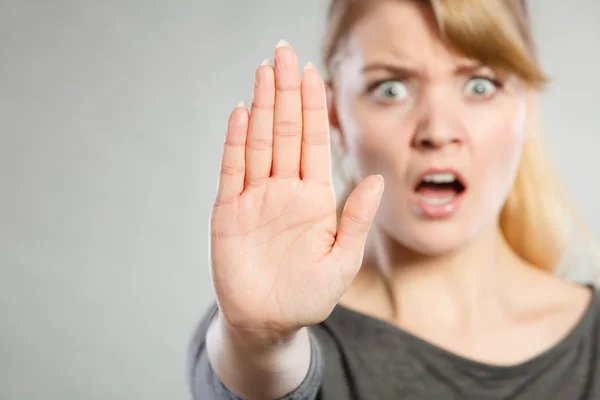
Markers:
{"x": 501, "y": 122}
{"x": 497, "y": 146}
{"x": 376, "y": 141}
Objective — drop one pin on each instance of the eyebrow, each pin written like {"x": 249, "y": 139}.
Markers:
{"x": 390, "y": 68}
{"x": 463, "y": 69}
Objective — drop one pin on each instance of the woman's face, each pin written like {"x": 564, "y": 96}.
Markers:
{"x": 444, "y": 131}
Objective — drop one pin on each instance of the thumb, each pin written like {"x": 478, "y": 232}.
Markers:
{"x": 357, "y": 217}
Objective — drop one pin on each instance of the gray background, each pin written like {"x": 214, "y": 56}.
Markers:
{"x": 112, "y": 115}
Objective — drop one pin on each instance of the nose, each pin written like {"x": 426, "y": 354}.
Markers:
{"x": 437, "y": 127}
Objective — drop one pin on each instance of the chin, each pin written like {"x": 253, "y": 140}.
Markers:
{"x": 433, "y": 237}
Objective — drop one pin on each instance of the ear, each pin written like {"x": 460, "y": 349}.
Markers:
{"x": 531, "y": 109}
{"x": 530, "y": 105}
{"x": 334, "y": 121}
{"x": 331, "y": 106}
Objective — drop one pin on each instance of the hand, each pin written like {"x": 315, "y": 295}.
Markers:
{"x": 279, "y": 259}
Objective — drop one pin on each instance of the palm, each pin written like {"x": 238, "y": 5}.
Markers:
{"x": 277, "y": 258}
{"x": 275, "y": 240}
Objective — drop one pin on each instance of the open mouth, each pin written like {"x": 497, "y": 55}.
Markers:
{"x": 440, "y": 188}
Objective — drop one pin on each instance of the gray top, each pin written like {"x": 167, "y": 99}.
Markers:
{"x": 358, "y": 357}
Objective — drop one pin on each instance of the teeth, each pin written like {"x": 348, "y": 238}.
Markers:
{"x": 436, "y": 201}
{"x": 440, "y": 178}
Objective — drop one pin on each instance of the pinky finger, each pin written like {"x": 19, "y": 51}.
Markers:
{"x": 233, "y": 163}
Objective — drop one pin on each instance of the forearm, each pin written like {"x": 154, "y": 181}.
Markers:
{"x": 254, "y": 371}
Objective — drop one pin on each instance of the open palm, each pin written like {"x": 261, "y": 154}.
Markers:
{"x": 280, "y": 260}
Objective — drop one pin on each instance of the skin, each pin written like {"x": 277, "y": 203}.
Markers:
{"x": 456, "y": 274}
{"x": 280, "y": 260}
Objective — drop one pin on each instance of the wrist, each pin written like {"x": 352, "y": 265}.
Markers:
{"x": 255, "y": 339}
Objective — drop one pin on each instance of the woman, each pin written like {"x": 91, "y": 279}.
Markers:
{"x": 451, "y": 295}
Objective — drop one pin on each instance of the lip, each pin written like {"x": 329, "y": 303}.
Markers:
{"x": 429, "y": 210}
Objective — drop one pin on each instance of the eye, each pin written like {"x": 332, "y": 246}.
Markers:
{"x": 393, "y": 90}
{"x": 481, "y": 87}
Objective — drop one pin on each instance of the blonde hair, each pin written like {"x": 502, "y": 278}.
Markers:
{"x": 537, "y": 215}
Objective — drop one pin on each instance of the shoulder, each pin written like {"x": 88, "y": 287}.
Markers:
{"x": 544, "y": 295}
{"x": 571, "y": 303}
{"x": 595, "y": 304}
{"x": 576, "y": 310}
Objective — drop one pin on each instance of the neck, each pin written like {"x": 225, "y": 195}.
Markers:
{"x": 463, "y": 287}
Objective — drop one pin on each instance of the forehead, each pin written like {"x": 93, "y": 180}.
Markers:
{"x": 401, "y": 31}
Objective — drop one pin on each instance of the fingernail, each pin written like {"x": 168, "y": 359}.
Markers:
{"x": 242, "y": 104}
{"x": 266, "y": 62}
{"x": 282, "y": 43}
{"x": 309, "y": 65}
{"x": 381, "y": 180}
